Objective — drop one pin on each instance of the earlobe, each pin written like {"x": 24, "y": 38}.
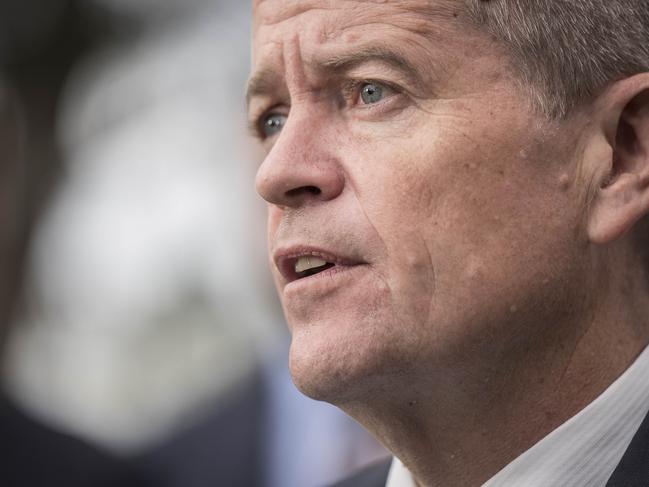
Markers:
{"x": 618, "y": 207}
{"x": 621, "y": 194}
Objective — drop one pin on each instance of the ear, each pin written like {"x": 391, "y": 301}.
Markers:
{"x": 620, "y": 196}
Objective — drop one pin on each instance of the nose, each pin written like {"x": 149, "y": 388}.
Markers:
{"x": 301, "y": 168}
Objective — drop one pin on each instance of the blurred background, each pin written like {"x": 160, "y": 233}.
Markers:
{"x": 147, "y": 326}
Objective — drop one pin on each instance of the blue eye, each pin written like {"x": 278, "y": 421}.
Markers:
{"x": 371, "y": 93}
{"x": 272, "y": 124}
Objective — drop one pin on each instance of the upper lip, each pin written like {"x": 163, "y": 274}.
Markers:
{"x": 285, "y": 259}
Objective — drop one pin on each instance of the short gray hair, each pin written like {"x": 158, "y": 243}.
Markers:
{"x": 567, "y": 51}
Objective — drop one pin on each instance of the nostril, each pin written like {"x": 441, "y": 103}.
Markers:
{"x": 312, "y": 190}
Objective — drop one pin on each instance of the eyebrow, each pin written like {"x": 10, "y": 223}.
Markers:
{"x": 348, "y": 61}
{"x": 264, "y": 82}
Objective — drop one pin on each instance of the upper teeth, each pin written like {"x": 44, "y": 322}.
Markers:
{"x": 306, "y": 263}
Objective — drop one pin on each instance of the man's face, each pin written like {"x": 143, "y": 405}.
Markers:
{"x": 401, "y": 150}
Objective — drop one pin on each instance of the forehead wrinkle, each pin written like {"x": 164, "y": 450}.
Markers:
{"x": 428, "y": 20}
{"x": 268, "y": 80}
{"x": 277, "y": 11}
{"x": 296, "y": 79}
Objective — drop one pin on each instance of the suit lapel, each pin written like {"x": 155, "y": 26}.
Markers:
{"x": 633, "y": 469}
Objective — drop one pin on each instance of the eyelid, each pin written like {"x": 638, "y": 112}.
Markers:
{"x": 352, "y": 90}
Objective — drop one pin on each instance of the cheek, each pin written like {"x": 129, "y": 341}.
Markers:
{"x": 460, "y": 222}
{"x": 402, "y": 217}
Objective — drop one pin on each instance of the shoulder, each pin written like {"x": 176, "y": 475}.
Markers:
{"x": 374, "y": 475}
{"x": 37, "y": 455}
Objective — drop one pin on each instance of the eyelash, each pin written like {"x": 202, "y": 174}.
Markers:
{"x": 351, "y": 90}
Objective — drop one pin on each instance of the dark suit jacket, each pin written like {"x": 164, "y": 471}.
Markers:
{"x": 35, "y": 455}
{"x": 224, "y": 449}
{"x": 632, "y": 471}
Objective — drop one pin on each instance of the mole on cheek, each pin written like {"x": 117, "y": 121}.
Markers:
{"x": 564, "y": 182}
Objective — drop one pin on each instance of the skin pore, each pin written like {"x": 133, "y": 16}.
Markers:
{"x": 475, "y": 305}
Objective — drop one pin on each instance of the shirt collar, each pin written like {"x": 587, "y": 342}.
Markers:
{"x": 583, "y": 451}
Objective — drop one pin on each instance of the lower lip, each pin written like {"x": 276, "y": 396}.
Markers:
{"x": 325, "y": 281}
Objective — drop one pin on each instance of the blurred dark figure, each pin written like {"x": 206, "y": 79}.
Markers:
{"x": 39, "y": 44}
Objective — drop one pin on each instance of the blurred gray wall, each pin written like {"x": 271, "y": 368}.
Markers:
{"x": 150, "y": 296}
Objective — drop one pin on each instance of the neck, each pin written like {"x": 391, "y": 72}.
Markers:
{"x": 460, "y": 430}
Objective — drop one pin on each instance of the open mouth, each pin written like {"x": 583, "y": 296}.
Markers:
{"x": 306, "y": 266}
{"x": 303, "y": 263}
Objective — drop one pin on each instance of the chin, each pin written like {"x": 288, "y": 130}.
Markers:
{"x": 323, "y": 370}
{"x": 342, "y": 364}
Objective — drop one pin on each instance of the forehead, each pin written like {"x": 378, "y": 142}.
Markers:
{"x": 327, "y": 23}
{"x": 276, "y": 11}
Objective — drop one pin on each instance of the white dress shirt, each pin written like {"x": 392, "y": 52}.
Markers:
{"x": 583, "y": 451}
